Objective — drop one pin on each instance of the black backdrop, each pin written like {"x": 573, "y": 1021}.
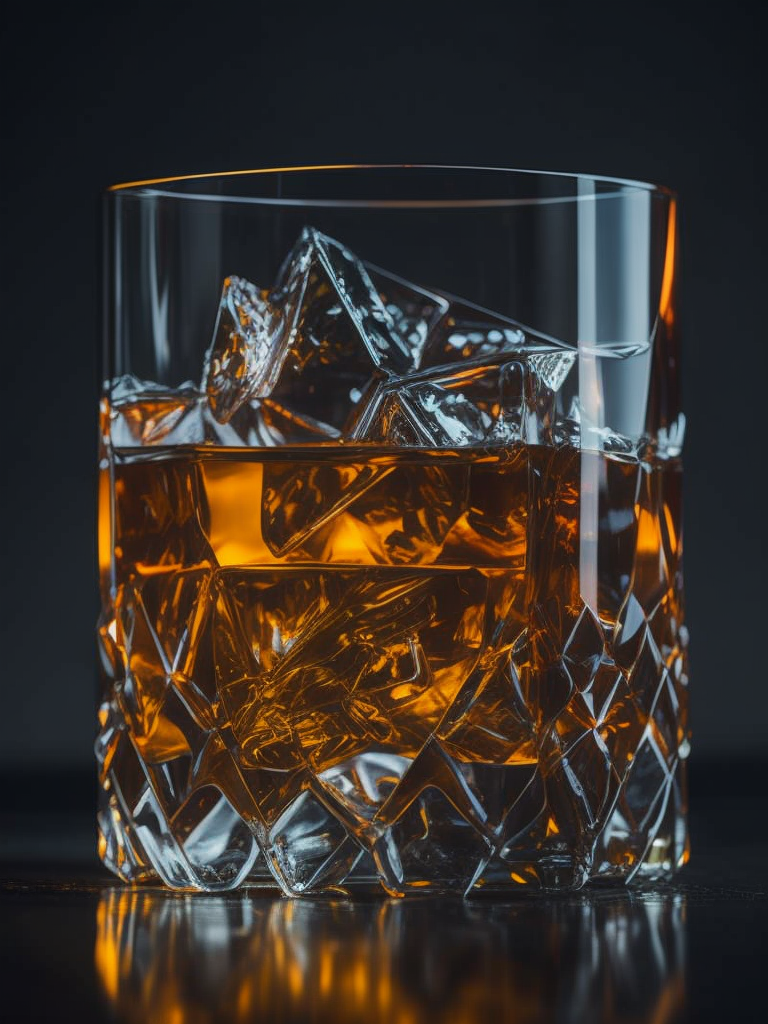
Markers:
{"x": 666, "y": 94}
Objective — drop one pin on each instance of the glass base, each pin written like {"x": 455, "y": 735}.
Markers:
{"x": 433, "y": 843}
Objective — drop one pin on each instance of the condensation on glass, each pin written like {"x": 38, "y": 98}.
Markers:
{"x": 390, "y": 532}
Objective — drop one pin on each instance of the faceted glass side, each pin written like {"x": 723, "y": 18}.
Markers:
{"x": 383, "y": 607}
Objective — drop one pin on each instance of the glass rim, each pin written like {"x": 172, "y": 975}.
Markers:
{"x": 169, "y": 187}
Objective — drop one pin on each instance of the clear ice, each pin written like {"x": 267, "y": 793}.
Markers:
{"x": 338, "y": 349}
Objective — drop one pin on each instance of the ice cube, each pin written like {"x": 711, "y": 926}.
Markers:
{"x": 324, "y": 272}
{"x": 553, "y": 367}
{"x": 343, "y": 342}
{"x": 145, "y": 413}
{"x": 321, "y": 666}
{"x": 468, "y": 332}
{"x": 493, "y": 404}
{"x": 414, "y": 310}
{"x": 249, "y": 344}
{"x": 260, "y": 423}
{"x": 479, "y": 406}
{"x": 315, "y": 345}
{"x": 300, "y": 497}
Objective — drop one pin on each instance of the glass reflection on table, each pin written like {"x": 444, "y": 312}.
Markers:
{"x": 170, "y": 958}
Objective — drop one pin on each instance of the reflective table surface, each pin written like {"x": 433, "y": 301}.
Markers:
{"x": 79, "y": 945}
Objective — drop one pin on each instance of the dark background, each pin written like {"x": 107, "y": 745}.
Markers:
{"x": 667, "y": 94}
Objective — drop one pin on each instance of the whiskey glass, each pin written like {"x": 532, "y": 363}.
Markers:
{"x": 390, "y": 532}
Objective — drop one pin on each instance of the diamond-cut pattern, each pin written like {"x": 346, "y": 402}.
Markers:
{"x": 448, "y": 731}
{"x": 309, "y": 848}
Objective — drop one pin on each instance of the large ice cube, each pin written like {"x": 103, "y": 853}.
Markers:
{"x": 479, "y": 378}
{"x": 318, "y": 273}
{"x": 473, "y": 407}
{"x": 345, "y": 339}
{"x": 492, "y": 404}
{"x": 314, "y": 345}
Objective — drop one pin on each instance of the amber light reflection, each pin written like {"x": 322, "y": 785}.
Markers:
{"x": 165, "y": 958}
{"x": 666, "y": 307}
